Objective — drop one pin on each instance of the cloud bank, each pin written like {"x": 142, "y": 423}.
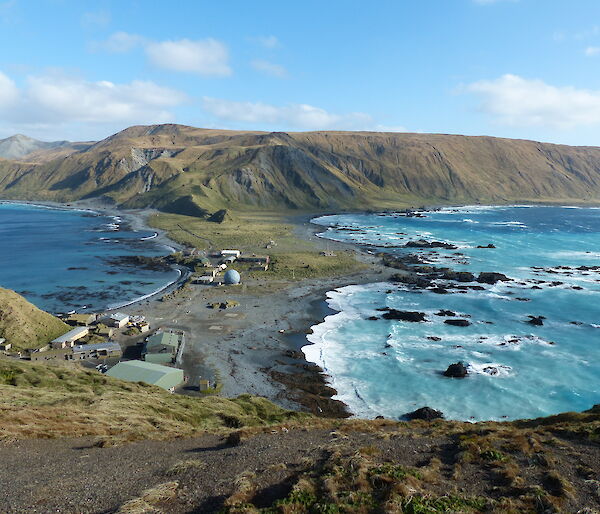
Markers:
{"x": 519, "y": 102}
{"x": 51, "y": 101}
{"x": 300, "y": 116}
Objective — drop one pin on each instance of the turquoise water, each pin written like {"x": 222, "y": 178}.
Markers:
{"x": 516, "y": 370}
{"x": 65, "y": 259}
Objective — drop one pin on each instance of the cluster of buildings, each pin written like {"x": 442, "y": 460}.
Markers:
{"x": 160, "y": 350}
{"x": 90, "y": 337}
{"x": 221, "y": 261}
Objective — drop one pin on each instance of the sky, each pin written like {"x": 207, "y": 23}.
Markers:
{"x": 510, "y": 68}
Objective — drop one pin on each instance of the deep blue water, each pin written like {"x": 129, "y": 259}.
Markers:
{"x": 391, "y": 367}
{"x": 59, "y": 258}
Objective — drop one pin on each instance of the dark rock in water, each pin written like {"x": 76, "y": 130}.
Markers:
{"x": 456, "y": 370}
{"x": 491, "y": 370}
{"x": 434, "y": 338}
{"x": 412, "y": 316}
{"x": 422, "y": 243}
{"x": 487, "y": 246}
{"x": 439, "y": 290}
{"x": 445, "y": 312}
{"x": 578, "y": 288}
{"x": 459, "y": 276}
{"x": 379, "y": 417}
{"x": 491, "y": 277}
{"x": 373, "y": 318}
{"x": 424, "y": 413}
{"x": 411, "y": 279}
{"x": 457, "y": 322}
{"x": 520, "y": 299}
{"x": 536, "y": 320}
{"x": 536, "y": 287}
{"x": 575, "y": 322}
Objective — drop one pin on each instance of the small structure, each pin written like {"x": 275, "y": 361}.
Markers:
{"x": 228, "y": 253}
{"x": 47, "y": 354}
{"x": 139, "y": 371}
{"x": 259, "y": 261}
{"x": 103, "y": 330}
{"x": 229, "y": 260}
{"x": 232, "y": 277}
{"x": 68, "y": 339}
{"x": 80, "y": 320}
{"x": 4, "y": 346}
{"x": 162, "y": 347}
{"x": 204, "y": 279}
{"x": 204, "y": 261}
{"x": 144, "y": 327}
{"x": 117, "y": 320}
{"x": 97, "y": 351}
{"x": 204, "y": 385}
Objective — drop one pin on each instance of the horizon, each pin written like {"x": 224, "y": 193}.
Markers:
{"x": 390, "y": 68}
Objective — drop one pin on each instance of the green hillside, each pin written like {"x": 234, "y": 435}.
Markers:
{"x": 196, "y": 171}
{"x": 24, "y": 325}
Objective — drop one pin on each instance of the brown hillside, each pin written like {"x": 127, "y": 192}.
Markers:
{"x": 175, "y": 168}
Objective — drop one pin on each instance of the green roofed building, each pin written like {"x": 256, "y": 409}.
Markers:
{"x": 162, "y": 347}
{"x": 148, "y": 372}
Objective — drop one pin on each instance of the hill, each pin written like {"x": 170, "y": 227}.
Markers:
{"x": 195, "y": 171}
{"x": 43, "y": 401}
{"x": 20, "y": 147}
{"x": 247, "y": 455}
{"x": 24, "y": 325}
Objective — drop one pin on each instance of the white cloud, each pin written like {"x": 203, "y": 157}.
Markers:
{"x": 8, "y": 90}
{"x": 119, "y": 43}
{"x": 268, "y": 41}
{"x": 53, "y": 101}
{"x": 301, "y": 116}
{"x": 516, "y": 101}
{"x": 590, "y": 51}
{"x": 269, "y": 68}
{"x": 206, "y": 56}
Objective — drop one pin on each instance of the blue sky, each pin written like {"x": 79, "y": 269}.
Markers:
{"x": 511, "y": 68}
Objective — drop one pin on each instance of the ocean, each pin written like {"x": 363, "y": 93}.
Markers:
{"x": 516, "y": 370}
{"x": 67, "y": 259}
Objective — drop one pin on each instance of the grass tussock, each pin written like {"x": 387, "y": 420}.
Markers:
{"x": 150, "y": 499}
{"x": 45, "y": 402}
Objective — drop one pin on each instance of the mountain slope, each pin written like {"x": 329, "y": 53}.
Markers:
{"x": 20, "y": 146}
{"x": 24, "y": 325}
{"x": 195, "y": 171}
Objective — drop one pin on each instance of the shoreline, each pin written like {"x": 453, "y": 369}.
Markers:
{"x": 136, "y": 221}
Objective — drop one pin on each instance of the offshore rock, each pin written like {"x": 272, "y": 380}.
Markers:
{"x": 490, "y": 277}
{"x": 457, "y": 322}
{"x": 456, "y": 370}
{"x": 412, "y": 316}
{"x": 424, "y": 413}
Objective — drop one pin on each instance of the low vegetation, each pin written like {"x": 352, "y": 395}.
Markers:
{"x": 53, "y": 401}
{"x": 25, "y": 326}
{"x": 263, "y": 234}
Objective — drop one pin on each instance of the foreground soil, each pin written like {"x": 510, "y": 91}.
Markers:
{"x": 548, "y": 465}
